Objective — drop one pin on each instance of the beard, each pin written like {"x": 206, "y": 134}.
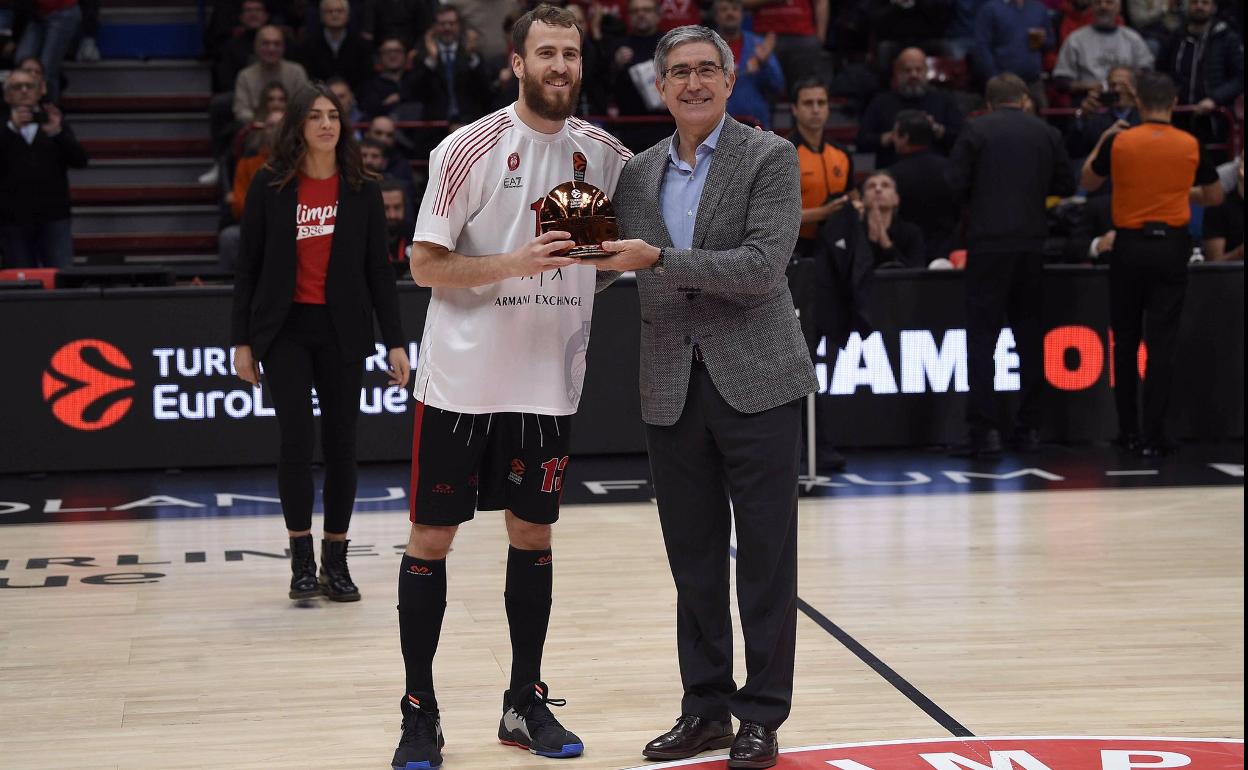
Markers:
{"x": 548, "y": 108}
{"x": 912, "y": 90}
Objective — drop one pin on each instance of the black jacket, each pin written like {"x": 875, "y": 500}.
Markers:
{"x": 843, "y": 269}
{"x": 1004, "y": 166}
{"x": 927, "y": 201}
{"x": 1220, "y": 64}
{"x": 360, "y": 281}
{"x": 881, "y": 114}
{"x": 34, "y": 178}
{"x": 353, "y": 62}
{"x": 471, "y": 87}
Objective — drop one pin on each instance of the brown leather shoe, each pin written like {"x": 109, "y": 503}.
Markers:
{"x": 754, "y": 747}
{"x": 691, "y": 735}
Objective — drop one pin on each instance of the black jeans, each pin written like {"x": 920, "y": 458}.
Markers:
{"x": 306, "y": 354}
{"x": 1147, "y": 283}
{"x": 1001, "y": 288}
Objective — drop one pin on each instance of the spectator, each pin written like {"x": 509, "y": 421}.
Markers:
{"x": 595, "y": 97}
{"x": 1224, "y": 225}
{"x": 399, "y": 226}
{"x": 1092, "y": 237}
{"x": 679, "y": 13}
{"x": 395, "y": 84}
{"x": 1089, "y": 53}
{"x": 827, "y": 170}
{"x": 1206, "y": 59}
{"x": 1011, "y": 36}
{"x": 376, "y": 158}
{"x": 461, "y": 82}
{"x": 50, "y": 29}
{"x": 336, "y": 51}
{"x": 1158, "y": 171}
{"x": 894, "y": 242}
{"x": 272, "y": 102}
{"x": 270, "y": 66}
{"x": 910, "y": 91}
{"x": 960, "y": 34}
{"x": 1004, "y": 165}
{"x": 407, "y": 20}
{"x": 250, "y": 161}
{"x": 346, "y": 97}
{"x": 485, "y": 18}
{"x": 383, "y": 131}
{"x": 631, "y": 50}
{"x": 1155, "y": 20}
{"x": 33, "y": 67}
{"x": 901, "y": 24}
{"x": 758, "y": 70}
{"x": 1100, "y": 110}
{"x": 801, "y": 29}
{"x": 920, "y": 175}
{"x": 37, "y": 149}
{"x": 240, "y": 49}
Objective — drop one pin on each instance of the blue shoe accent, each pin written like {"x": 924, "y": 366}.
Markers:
{"x": 569, "y": 750}
{"x": 417, "y": 766}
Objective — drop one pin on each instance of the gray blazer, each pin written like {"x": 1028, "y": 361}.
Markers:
{"x": 728, "y": 294}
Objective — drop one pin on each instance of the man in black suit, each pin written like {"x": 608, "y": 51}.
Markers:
{"x": 336, "y": 51}
{"x": 926, "y": 200}
{"x": 462, "y": 82}
{"x": 37, "y": 149}
{"x": 1004, "y": 166}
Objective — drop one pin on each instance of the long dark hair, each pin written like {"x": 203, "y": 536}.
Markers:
{"x": 290, "y": 149}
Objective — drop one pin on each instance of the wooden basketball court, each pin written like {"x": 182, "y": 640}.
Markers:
{"x": 169, "y": 643}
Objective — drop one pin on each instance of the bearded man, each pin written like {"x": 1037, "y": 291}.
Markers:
{"x": 910, "y": 91}
{"x": 503, "y": 301}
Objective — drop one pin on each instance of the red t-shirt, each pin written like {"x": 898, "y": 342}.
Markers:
{"x": 314, "y": 235}
{"x": 678, "y": 13}
{"x": 792, "y": 17}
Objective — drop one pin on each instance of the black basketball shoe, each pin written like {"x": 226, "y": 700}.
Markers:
{"x": 528, "y": 724}
{"x": 420, "y": 748}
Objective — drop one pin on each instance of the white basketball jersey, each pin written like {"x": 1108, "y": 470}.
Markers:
{"x": 518, "y": 345}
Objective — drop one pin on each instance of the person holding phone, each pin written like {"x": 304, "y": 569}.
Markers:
{"x": 311, "y": 275}
{"x": 1114, "y": 102}
{"x": 37, "y": 149}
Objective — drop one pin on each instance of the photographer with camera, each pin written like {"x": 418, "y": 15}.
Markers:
{"x": 1101, "y": 108}
{"x": 37, "y": 149}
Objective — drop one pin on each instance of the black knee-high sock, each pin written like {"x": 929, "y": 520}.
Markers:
{"x": 529, "y": 582}
{"x": 422, "y": 604}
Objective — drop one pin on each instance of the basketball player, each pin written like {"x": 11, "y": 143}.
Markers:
{"x": 500, "y": 371}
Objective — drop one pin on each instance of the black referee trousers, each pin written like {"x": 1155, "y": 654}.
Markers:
{"x": 1147, "y": 284}
{"x": 714, "y": 454}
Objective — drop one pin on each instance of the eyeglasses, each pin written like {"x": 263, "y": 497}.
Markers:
{"x": 19, "y": 86}
{"x": 704, "y": 71}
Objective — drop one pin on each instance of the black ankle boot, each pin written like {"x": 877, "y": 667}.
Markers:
{"x": 335, "y": 579}
{"x": 303, "y": 568}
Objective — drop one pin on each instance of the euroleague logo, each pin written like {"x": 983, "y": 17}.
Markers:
{"x": 88, "y": 385}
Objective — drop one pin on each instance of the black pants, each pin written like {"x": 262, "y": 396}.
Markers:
{"x": 1147, "y": 282}
{"x": 1003, "y": 288}
{"x": 306, "y": 354}
{"x": 714, "y": 453}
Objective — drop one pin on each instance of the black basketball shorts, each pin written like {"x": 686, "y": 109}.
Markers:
{"x": 462, "y": 463}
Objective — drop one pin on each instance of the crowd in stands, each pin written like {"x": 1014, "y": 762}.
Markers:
{"x": 907, "y": 73}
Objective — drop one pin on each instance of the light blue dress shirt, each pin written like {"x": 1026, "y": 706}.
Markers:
{"x": 682, "y": 187}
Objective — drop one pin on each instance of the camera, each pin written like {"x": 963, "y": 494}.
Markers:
{"x": 1108, "y": 98}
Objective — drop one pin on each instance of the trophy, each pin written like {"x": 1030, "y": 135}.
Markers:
{"x": 584, "y": 211}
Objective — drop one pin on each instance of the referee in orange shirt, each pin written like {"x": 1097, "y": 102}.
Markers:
{"x": 1157, "y": 171}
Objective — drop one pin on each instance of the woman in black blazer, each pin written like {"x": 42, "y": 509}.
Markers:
{"x": 311, "y": 274}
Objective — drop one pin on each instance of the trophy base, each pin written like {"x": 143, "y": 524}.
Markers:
{"x": 589, "y": 251}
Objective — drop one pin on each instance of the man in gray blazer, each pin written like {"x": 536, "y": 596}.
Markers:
{"x": 708, "y": 221}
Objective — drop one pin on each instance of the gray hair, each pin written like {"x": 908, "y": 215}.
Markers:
{"x": 692, "y": 33}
